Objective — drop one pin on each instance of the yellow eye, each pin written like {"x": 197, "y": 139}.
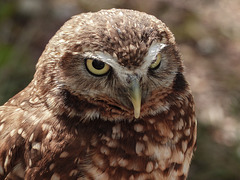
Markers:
{"x": 156, "y": 63}
{"x": 96, "y": 67}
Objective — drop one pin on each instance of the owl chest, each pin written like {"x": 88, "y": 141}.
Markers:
{"x": 121, "y": 151}
{"x": 136, "y": 150}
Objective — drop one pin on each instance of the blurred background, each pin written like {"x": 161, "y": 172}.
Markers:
{"x": 208, "y": 35}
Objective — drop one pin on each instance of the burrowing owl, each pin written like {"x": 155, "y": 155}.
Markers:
{"x": 108, "y": 101}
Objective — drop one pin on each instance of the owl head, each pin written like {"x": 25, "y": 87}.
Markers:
{"x": 113, "y": 64}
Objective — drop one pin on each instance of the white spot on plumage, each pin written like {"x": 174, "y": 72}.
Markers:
{"x": 1, "y": 127}
{"x": 187, "y": 132}
{"x": 138, "y": 127}
{"x": 51, "y": 166}
{"x": 23, "y": 103}
{"x": 45, "y": 127}
{"x": 4, "y": 119}
{"x": 73, "y": 172}
{"x": 36, "y": 145}
{"x": 179, "y": 125}
{"x": 12, "y": 132}
{"x": 6, "y": 163}
{"x": 131, "y": 177}
{"x": 140, "y": 147}
{"x": 12, "y": 101}
{"x": 120, "y": 13}
{"x": 112, "y": 143}
{"x": 184, "y": 146}
{"x": 116, "y": 132}
{"x": 31, "y": 137}
{"x": 186, "y": 163}
{"x": 9, "y": 152}
{"x": 25, "y": 114}
{"x": 164, "y": 130}
{"x": 116, "y": 129}
{"x": 22, "y": 93}
{"x": 55, "y": 176}
{"x": 20, "y": 131}
{"x": 160, "y": 152}
{"x": 177, "y": 157}
{"x": 24, "y": 135}
{"x": 77, "y": 160}
{"x": 91, "y": 114}
{"x": 34, "y": 118}
{"x": 123, "y": 162}
{"x": 149, "y": 167}
{"x": 152, "y": 121}
{"x": 30, "y": 162}
{"x": 145, "y": 138}
{"x": 61, "y": 41}
{"x": 182, "y": 112}
{"x": 132, "y": 47}
{"x": 49, "y": 135}
{"x": 64, "y": 154}
{"x": 18, "y": 109}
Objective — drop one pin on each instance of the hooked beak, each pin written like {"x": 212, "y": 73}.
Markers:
{"x": 135, "y": 96}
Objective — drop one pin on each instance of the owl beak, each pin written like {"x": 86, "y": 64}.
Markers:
{"x": 135, "y": 96}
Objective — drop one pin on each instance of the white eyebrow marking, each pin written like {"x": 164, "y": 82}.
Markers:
{"x": 153, "y": 51}
{"x": 104, "y": 57}
{"x": 122, "y": 71}
{"x": 110, "y": 60}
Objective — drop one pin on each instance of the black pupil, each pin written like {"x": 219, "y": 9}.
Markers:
{"x": 98, "y": 64}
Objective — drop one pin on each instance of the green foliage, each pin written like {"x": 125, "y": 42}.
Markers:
{"x": 5, "y": 53}
{"x": 7, "y": 10}
{"x": 213, "y": 160}
{"x": 15, "y": 72}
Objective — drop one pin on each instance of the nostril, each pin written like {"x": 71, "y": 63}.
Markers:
{"x": 128, "y": 79}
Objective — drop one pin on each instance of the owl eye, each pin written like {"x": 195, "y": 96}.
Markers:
{"x": 96, "y": 67}
{"x": 157, "y": 62}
